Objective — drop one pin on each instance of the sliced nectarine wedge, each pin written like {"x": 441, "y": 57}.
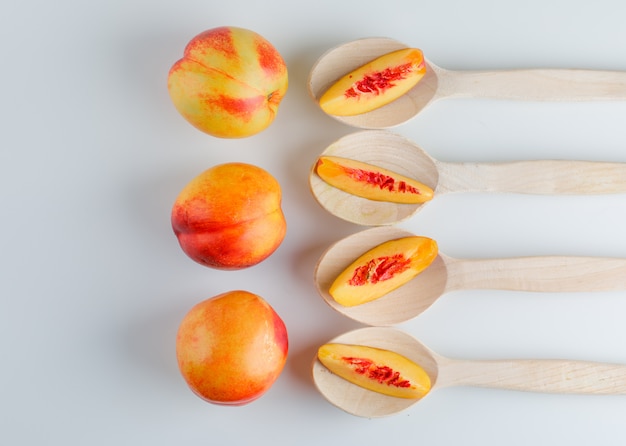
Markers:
{"x": 372, "y": 182}
{"x": 376, "y": 369}
{"x": 382, "y": 269}
{"x": 375, "y": 84}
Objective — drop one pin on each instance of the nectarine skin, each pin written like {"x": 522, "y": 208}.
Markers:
{"x": 231, "y": 348}
{"x": 229, "y": 82}
{"x": 230, "y": 217}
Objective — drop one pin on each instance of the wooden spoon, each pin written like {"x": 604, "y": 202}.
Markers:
{"x": 438, "y": 83}
{"x": 446, "y": 274}
{"x": 531, "y": 375}
{"x": 399, "y": 154}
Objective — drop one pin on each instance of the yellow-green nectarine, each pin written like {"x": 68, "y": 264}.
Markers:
{"x": 371, "y": 182}
{"x": 375, "y": 84}
{"x": 231, "y": 348}
{"x": 382, "y": 269}
{"x": 230, "y": 216}
{"x": 376, "y": 369}
{"x": 229, "y": 82}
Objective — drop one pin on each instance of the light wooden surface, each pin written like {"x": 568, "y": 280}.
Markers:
{"x": 447, "y": 274}
{"x": 397, "y": 153}
{"x": 540, "y": 375}
{"x": 438, "y": 83}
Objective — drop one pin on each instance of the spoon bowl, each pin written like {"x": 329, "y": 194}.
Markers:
{"x": 399, "y": 154}
{"x": 383, "y": 149}
{"x": 401, "y": 304}
{"x": 347, "y": 57}
{"x": 447, "y": 274}
{"x": 531, "y": 375}
{"x": 359, "y": 401}
{"x": 438, "y": 83}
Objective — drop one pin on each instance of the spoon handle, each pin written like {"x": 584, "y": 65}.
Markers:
{"x": 536, "y": 375}
{"x": 535, "y": 84}
{"x": 540, "y": 274}
{"x": 546, "y": 177}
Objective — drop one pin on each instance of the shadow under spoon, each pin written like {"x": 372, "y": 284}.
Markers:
{"x": 399, "y": 154}
{"x": 447, "y": 274}
{"x": 531, "y": 375}
{"x": 523, "y": 84}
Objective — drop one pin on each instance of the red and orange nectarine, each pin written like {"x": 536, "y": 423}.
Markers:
{"x": 230, "y": 216}
{"x": 231, "y": 348}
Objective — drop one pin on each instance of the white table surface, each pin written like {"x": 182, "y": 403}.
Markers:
{"x": 94, "y": 284}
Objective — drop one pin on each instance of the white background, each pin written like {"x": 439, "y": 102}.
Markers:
{"x": 94, "y": 284}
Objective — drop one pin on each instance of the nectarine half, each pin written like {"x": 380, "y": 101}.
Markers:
{"x": 375, "y": 84}
{"x": 382, "y": 269}
{"x": 376, "y": 369}
{"x": 372, "y": 182}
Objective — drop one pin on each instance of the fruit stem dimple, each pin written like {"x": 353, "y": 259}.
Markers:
{"x": 274, "y": 98}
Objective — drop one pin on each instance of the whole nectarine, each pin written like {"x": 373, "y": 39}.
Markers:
{"x": 231, "y": 348}
{"x": 229, "y": 82}
{"x": 230, "y": 216}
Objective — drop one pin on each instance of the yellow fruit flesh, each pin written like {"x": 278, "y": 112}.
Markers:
{"x": 375, "y": 84}
{"x": 375, "y": 369}
{"x": 371, "y": 182}
{"x": 383, "y": 269}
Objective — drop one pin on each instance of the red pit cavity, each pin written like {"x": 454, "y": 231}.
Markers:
{"x": 377, "y": 82}
{"x": 382, "y": 374}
